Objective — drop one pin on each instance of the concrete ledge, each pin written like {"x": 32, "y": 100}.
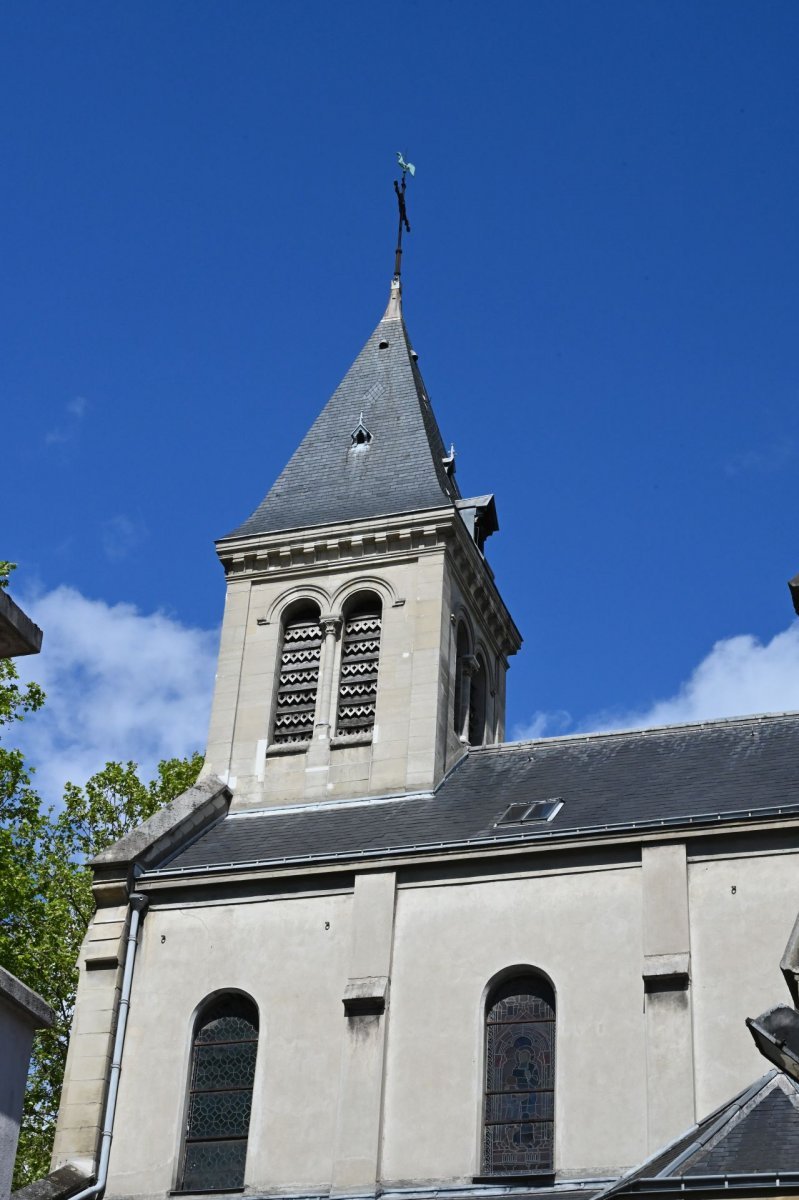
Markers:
{"x": 58, "y": 1185}
{"x": 18, "y": 634}
{"x": 25, "y": 1002}
{"x": 366, "y": 997}
{"x": 666, "y": 972}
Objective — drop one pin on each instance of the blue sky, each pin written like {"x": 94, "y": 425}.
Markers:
{"x": 198, "y": 227}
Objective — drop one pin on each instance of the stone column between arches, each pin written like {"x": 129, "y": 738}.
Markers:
{"x": 323, "y": 720}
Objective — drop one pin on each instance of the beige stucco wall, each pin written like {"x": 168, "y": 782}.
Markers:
{"x": 737, "y": 940}
{"x": 584, "y": 931}
{"x": 294, "y": 967}
{"x": 398, "y": 1096}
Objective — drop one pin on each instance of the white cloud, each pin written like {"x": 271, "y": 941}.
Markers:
{"x": 120, "y": 684}
{"x": 75, "y": 410}
{"x": 119, "y": 535}
{"x": 542, "y": 724}
{"x": 740, "y": 676}
{"x": 766, "y": 460}
{"x": 77, "y": 407}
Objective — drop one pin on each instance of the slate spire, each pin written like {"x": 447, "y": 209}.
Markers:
{"x": 374, "y": 450}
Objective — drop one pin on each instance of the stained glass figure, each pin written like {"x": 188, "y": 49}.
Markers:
{"x": 360, "y": 654}
{"x": 519, "y": 1117}
{"x": 220, "y": 1096}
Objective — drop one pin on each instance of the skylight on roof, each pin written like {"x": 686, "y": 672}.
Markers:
{"x": 529, "y": 814}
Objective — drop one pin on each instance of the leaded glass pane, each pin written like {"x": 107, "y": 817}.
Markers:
{"x": 520, "y": 1106}
{"x": 510, "y": 1149}
{"x": 519, "y": 1057}
{"x": 219, "y": 1114}
{"x": 220, "y": 1096}
{"x": 227, "y": 1029}
{"x": 229, "y": 1065}
{"x": 522, "y": 1008}
{"x": 214, "y": 1166}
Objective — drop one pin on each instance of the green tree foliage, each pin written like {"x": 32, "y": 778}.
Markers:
{"x": 52, "y": 906}
{"x": 45, "y": 891}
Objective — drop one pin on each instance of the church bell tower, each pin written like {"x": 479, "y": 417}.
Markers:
{"x": 364, "y": 642}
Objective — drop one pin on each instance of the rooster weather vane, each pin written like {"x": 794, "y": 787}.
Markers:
{"x": 407, "y": 169}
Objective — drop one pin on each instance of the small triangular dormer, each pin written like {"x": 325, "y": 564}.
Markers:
{"x": 360, "y": 435}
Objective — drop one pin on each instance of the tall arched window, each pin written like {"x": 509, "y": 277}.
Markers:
{"x": 220, "y": 1095}
{"x": 462, "y": 682}
{"x": 301, "y": 650}
{"x": 519, "y": 1115}
{"x": 360, "y": 655}
{"x": 477, "y": 703}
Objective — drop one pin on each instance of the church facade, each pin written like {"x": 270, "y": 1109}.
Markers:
{"x": 379, "y": 949}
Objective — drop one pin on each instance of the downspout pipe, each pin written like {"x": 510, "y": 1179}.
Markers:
{"x": 138, "y": 906}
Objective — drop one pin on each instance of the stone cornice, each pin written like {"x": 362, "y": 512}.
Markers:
{"x": 477, "y": 579}
{"x": 304, "y": 551}
{"x": 328, "y": 545}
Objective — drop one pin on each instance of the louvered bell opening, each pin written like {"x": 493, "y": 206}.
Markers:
{"x": 299, "y": 679}
{"x": 360, "y": 653}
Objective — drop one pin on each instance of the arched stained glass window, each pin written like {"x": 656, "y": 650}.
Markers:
{"x": 519, "y": 1128}
{"x": 299, "y": 676}
{"x": 220, "y": 1096}
{"x": 360, "y": 655}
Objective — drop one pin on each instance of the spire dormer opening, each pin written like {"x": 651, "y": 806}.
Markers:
{"x": 360, "y": 435}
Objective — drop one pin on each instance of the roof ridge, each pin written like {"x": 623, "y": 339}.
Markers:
{"x": 703, "y": 1130}
{"x": 635, "y": 731}
{"x": 711, "y": 1132}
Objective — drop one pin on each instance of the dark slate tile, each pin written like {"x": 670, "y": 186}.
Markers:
{"x": 766, "y": 1139}
{"x": 401, "y": 470}
{"x": 682, "y": 774}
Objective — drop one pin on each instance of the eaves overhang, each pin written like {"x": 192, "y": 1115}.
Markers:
{"x": 597, "y": 836}
{"x": 244, "y": 543}
{"x": 759, "y": 1183}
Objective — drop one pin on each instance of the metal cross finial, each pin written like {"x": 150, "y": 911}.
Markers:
{"x": 407, "y": 169}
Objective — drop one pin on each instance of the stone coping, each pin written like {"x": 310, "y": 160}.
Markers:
{"x": 18, "y": 634}
{"x": 26, "y": 1003}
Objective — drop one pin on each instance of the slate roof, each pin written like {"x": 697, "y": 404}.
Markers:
{"x": 756, "y": 1133}
{"x": 329, "y": 479}
{"x": 677, "y": 776}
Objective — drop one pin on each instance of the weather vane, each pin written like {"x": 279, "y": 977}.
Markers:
{"x": 407, "y": 169}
